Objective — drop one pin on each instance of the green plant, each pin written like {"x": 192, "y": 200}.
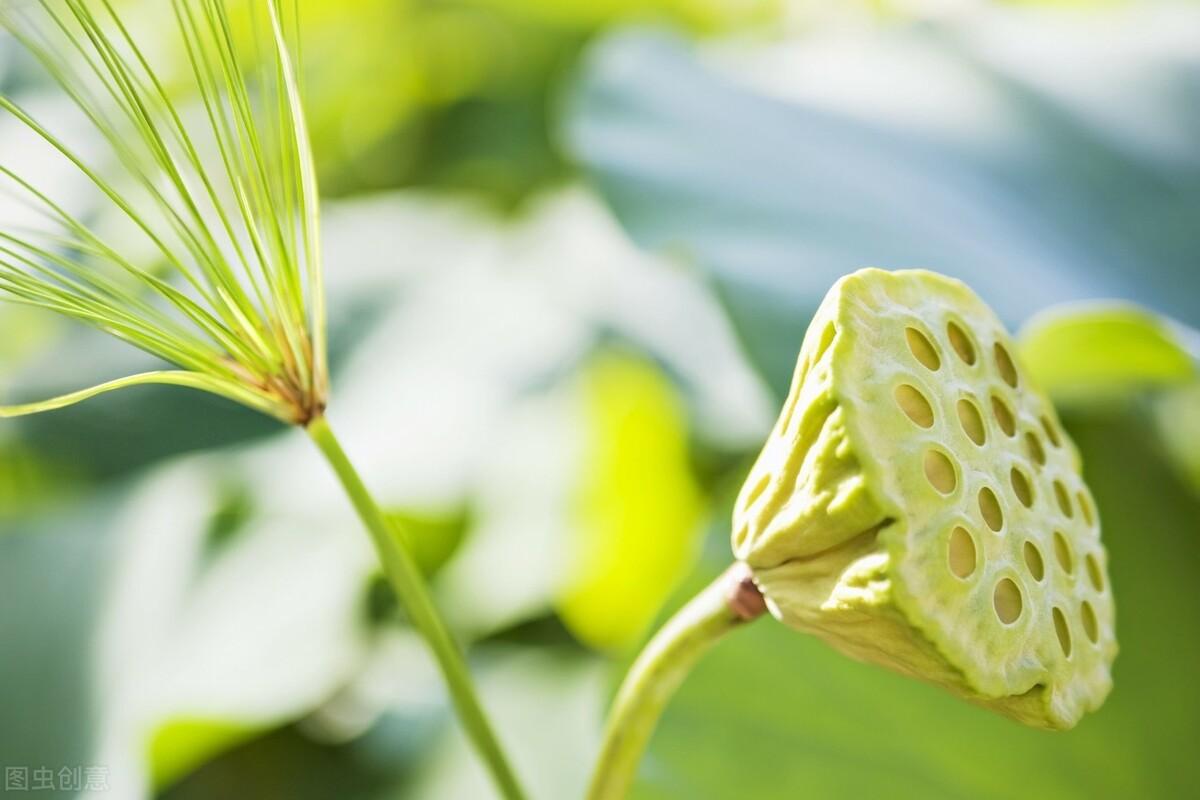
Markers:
{"x": 910, "y": 432}
{"x": 917, "y": 505}
{"x": 224, "y": 199}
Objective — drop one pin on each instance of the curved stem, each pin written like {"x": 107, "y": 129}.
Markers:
{"x": 728, "y": 602}
{"x": 410, "y": 587}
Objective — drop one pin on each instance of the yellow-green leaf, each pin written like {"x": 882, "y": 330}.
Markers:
{"x": 182, "y": 745}
{"x": 639, "y": 508}
{"x": 1177, "y": 413}
{"x": 1104, "y": 352}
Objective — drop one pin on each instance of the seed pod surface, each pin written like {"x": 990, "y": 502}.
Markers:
{"x": 919, "y": 505}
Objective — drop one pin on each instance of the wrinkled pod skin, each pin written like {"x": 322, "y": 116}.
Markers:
{"x": 919, "y": 506}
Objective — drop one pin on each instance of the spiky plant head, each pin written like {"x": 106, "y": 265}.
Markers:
{"x": 919, "y": 505}
{"x": 217, "y": 270}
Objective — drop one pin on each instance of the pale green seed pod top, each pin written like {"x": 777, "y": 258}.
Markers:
{"x": 918, "y": 505}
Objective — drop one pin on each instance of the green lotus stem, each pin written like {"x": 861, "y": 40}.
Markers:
{"x": 727, "y": 603}
{"x": 411, "y": 589}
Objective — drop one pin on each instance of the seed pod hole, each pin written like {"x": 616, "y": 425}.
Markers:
{"x": 1062, "y": 551}
{"x": 971, "y": 421}
{"x": 1085, "y": 508}
{"x": 940, "y": 471}
{"x": 1021, "y": 487}
{"x": 922, "y": 349}
{"x": 1005, "y": 366}
{"x": 1094, "y": 574}
{"x": 961, "y": 552}
{"x": 961, "y": 343}
{"x": 989, "y": 506}
{"x": 1090, "y": 626}
{"x": 1063, "y": 630}
{"x": 1064, "y": 500}
{"x": 1051, "y": 431}
{"x": 914, "y": 405}
{"x": 1006, "y": 599}
{"x": 1033, "y": 560}
{"x": 1004, "y": 416}
{"x": 1033, "y": 446}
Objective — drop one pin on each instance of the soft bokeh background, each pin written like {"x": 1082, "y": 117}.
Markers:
{"x": 572, "y": 249}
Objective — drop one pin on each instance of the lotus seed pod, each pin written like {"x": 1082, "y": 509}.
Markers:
{"x": 918, "y": 505}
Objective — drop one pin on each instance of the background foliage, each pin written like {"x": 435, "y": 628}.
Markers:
{"x": 572, "y": 250}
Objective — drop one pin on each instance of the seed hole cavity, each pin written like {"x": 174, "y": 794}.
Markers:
{"x": 922, "y": 349}
{"x": 1021, "y": 487}
{"x": 961, "y": 552}
{"x": 971, "y": 421}
{"x": 914, "y": 405}
{"x": 1005, "y": 366}
{"x": 939, "y": 470}
{"x": 1062, "y": 551}
{"x": 1064, "y": 500}
{"x": 1033, "y": 446}
{"x": 1004, "y": 416}
{"x": 961, "y": 343}
{"x": 1085, "y": 508}
{"x": 1006, "y": 599}
{"x": 1051, "y": 431}
{"x": 1090, "y": 626}
{"x": 1033, "y": 560}
{"x": 1063, "y": 630}
{"x": 989, "y": 506}
{"x": 1094, "y": 573}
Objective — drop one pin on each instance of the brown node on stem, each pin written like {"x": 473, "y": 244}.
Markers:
{"x": 742, "y": 594}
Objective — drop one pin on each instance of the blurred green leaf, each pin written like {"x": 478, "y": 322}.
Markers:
{"x": 776, "y": 195}
{"x": 29, "y": 482}
{"x": 108, "y": 437}
{"x": 23, "y": 333}
{"x": 181, "y": 745}
{"x": 1107, "y": 354}
{"x": 1177, "y": 413}
{"x": 433, "y": 537}
{"x": 543, "y": 701}
{"x": 285, "y": 764}
{"x": 458, "y": 94}
{"x": 53, "y": 574}
{"x": 204, "y": 643}
{"x": 638, "y": 519}
{"x": 1103, "y": 352}
{"x": 232, "y": 515}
